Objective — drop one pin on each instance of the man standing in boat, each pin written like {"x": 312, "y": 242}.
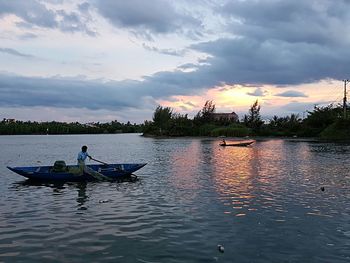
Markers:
{"x": 83, "y": 168}
{"x": 82, "y": 156}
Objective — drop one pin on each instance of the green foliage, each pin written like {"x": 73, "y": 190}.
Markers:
{"x": 283, "y": 126}
{"x": 20, "y": 127}
{"x": 322, "y": 117}
{"x": 235, "y": 130}
{"x": 162, "y": 117}
{"x": 205, "y": 129}
{"x": 253, "y": 119}
{"x": 326, "y": 119}
{"x": 205, "y": 114}
{"x": 339, "y": 130}
{"x": 180, "y": 125}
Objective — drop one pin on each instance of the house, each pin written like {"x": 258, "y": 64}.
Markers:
{"x": 8, "y": 120}
{"x": 232, "y": 117}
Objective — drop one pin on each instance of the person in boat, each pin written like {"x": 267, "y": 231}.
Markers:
{"x": 83, "y": 168}
{"x": 82, "y": 156}
{"x": 223, "y": 142}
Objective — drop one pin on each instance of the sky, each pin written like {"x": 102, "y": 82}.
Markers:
{"x": 104, "y": 60}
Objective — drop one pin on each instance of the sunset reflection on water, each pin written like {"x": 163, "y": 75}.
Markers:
{"x": 249, "y": 179}
{"x": 269, "y": 177}
{"x": 262, "y": 203}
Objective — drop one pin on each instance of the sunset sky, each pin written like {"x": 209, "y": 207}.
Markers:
{"x": 102, "y": 60}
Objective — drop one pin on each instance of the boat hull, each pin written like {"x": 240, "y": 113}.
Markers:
{"x": 112, "y": 171}
{"x": 237, "y": 144}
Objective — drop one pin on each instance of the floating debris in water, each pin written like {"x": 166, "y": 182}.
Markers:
{"x": 322, "y": 188}
{"x": 104, "y": 201}
{"x": 221, "y": 248}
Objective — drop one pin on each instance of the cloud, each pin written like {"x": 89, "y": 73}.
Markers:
{"x": 59, "y": 92}
{"x": 35, "y": 13}
{"x": 170, "y": 52}
{"x": 19, "y": 91}
{"x": 147, "y": 17}
{"x": 279, "y": 43}
{"x": 31, "y": 11}
{"x": 320, "y": 22}
{"x": 188, "y": 66}
{"x": 265, "y": 43}
{"x": 291, "y": 94}
{"x": 74, "y": 22}
{"x": 258, "y": 92}
{"x": 27, "y": 36}
{"x": 15, "y": 53}
{"x": 299, "y": 106}
{"x": 249, "y": 61}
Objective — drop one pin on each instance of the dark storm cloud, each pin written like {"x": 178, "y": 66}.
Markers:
{"x": 291, "y": 94}
{"x": 35, "y": 13}
{"x": 280, "y": 42}
{"x": 310, "y": 21}
{"x": 58, "y": 92}
{"x": 146, "y": 17}
{"x": 248, "y": 61}
{"x": 18, "y": 91}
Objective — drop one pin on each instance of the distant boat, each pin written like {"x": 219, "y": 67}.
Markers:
{"x": 69, "y": 172}
{"x": 237, "y": 143}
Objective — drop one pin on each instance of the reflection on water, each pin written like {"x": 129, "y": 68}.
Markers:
{"x": 270, "y": 176}
{"x": 82, "y": 196}
{"x": 262, "y": 203}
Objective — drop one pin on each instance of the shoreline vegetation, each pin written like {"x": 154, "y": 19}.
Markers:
{"x": 13, "y": 127}
{"x": 328, "y": 123}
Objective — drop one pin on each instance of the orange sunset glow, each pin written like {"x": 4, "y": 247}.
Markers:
{"x": 239, "y": 98}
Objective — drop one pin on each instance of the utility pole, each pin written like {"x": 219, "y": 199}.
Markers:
{"x": 344, "y": 100}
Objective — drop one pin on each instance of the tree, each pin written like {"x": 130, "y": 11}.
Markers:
{"x": 253, "y": 119}
{"x": 205, "y": 114}
{"x": 162, "y": 117}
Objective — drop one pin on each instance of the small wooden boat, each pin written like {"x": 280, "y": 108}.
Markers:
{"x": 71, "y": 172}
{"x": 237, "y": 143}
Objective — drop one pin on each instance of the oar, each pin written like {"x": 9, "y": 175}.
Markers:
{"x": 98, "y": 175}
{"x": 99, "y": 161}
{"x": 120, "y": 170}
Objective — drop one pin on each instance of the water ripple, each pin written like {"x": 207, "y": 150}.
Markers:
{"x": 264, "y": 203}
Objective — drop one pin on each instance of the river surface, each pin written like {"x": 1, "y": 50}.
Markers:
{"x": 262, "y": 203}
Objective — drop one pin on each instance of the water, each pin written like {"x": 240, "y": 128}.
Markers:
{"x": 262, "y": 203}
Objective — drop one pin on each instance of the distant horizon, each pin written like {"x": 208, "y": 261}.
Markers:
{"x": 100, "y": 60}
{"x": 240, "y": 117}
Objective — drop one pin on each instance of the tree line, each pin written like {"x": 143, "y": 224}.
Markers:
{"x": 13, "y": 127}
{"x": 325, "y": 122}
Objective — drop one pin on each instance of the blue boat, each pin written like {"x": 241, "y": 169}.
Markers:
{"x": 71, "y": 173}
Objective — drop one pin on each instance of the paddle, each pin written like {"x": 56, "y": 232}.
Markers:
{"x": 96, "y": 174}
{"x": 98, "y": 161}
{"x": 121, "y": 170}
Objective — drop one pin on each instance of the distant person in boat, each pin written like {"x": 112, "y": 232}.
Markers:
{"x": 83, "y": 168}
{"x": 223, "y": 142}
{"x": 83, "y": 155}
